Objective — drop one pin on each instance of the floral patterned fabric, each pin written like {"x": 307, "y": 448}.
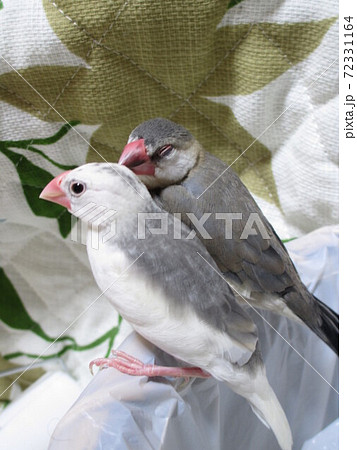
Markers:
{"x": 251, "y": 80}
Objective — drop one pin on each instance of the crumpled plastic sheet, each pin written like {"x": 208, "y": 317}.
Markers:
{"x": 118, "y": 411}
{"x": 327, "y": 439}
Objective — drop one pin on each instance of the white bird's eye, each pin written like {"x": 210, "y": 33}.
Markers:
{"x": 164, "y": 151}
{"x": 77, "y": 188}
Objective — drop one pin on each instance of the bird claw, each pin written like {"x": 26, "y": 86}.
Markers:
{"x": 102, "y": 363}
{"x": 132, "y": 366}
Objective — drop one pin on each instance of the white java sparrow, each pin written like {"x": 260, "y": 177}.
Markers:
{"x": 185, "y": 179}
{"x": 169, "y": 289}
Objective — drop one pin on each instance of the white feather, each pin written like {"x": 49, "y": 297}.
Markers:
{"x": 145, "y": 306}
{"x": 184, "y": 335}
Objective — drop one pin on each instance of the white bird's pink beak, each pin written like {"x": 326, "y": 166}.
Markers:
{"x": 135, "y": 157}
{"x": 54, "y": 193}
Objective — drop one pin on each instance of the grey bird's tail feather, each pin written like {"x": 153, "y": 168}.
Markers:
{"x": 328, "y": 330}
{"x": 267, "y": 408}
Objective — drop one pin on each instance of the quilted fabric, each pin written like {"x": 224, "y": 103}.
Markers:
{"x": 251, "y": 80}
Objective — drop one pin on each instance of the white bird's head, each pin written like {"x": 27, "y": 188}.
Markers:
{"x": 161, "y": 152}
{"x": 105, "y": 185}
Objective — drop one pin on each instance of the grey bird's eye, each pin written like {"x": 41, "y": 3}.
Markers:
{"x": 164, "y": 151}
{"x": 77, "y": 188}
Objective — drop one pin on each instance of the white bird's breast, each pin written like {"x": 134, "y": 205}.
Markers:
{"x": 117, "y": 276}
{"x": 176, "y": 330}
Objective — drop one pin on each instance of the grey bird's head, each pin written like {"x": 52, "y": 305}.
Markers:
{"x": 160, "y": 152}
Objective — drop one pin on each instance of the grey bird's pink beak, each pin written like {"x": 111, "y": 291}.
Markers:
{"x": 54, "y": 193}
{"x": 135, "y": 157}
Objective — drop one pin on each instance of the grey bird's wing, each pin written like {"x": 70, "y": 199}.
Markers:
{"x": 186, "y": 272}
{"x": 262, "y": 264}
{"x": 189, "y": 277}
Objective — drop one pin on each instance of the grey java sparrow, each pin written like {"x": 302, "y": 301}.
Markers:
{"x": 170, "y": 290}
{"x": 210, "y": 197}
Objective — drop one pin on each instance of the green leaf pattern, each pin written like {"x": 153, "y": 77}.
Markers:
{"x": 129, "y": 80}
{"x": 34, "y": 179}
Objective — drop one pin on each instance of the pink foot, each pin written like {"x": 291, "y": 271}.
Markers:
{"x": 132, "y": 366}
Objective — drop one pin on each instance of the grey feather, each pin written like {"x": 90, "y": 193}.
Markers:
{"x": 186, "y": 278}
{"x": 262, "y": 263}
{"x": 154, "y": 129}
{"x": 258, "y": 257}
{"x": 265, "y": 263}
